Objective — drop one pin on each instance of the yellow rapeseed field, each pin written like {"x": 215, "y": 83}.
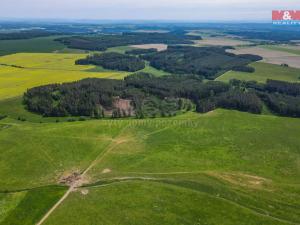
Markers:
{"x": 21, "y": 71}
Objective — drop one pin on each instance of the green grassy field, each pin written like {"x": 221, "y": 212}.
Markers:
{"x": 154, "y": 71}
{"x": 35, "y": 202}
{"x": 179, "y": 170}
{"x": 35, "y": 69}
{"x": 35, "y": 45}
{"x": 264, "y": 71}
{"x": 120, "y": 49}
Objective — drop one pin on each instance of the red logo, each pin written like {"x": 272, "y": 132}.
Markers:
{"x": 287, "y": 15}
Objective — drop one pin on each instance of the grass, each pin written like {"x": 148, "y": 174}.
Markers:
{"x": 34, "y": 204}
{"x": 34, "y": 154}
{"x": 8, "y": 202}
{"x": 150, "y": 203}
{"x": 154, "y": 71}
{"x": 264, "y": 71}
{"x": 35, "y": 45}
{"x": 36, "y": 69}
{"x": 229, "y": 162}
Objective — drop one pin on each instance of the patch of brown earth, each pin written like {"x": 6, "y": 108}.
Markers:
{"x": 107, "y": 170}
{"x": 84, "y": 191}
{"x": 73, "y": 180}
{"x": 125, "y": 106}
{"x": 244, "y": 180}
{"x": 159, "y": 47}
{"x": 271, "y": 56}
{"x": 221, "y": 41}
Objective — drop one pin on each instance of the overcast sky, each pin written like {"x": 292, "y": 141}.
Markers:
{"x": 201, "y": 10}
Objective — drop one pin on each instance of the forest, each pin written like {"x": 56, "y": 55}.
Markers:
{"x": 141, "y": 51}
{"x": 281, "y": 97}
{"x": 27, "y": 34}
{"x": 278, "y": 36}
{"x": 102, "y": 42}
{"x": 209, "y": 62}
{"x": 152, "y": 96}
{"x": 114, "y": 61}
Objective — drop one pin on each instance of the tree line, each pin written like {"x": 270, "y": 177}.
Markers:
{"x": 114, "y": 61}
{"x": 102, "y": 42}
{"x": 27, "y": 34}
{"x": 282, "y": 98}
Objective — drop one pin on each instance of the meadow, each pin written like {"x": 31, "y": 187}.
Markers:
{"x": 238, "y": 164}
{"x": 264, "y": 71}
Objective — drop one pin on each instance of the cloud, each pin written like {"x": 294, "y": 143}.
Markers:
{"x": 137, "y": 9}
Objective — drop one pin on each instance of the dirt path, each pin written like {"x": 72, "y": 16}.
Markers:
{"x": 55, "y": 206}
{"x": 143, "y": 178}
{"x": 77, "y": 183}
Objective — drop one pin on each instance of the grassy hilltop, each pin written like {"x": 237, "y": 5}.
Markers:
{"x": 228, "y": 160}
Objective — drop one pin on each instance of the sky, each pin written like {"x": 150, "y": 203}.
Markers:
{"x": 187, "y": 10}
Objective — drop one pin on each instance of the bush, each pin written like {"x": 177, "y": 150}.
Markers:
{"x": 2, "y": 117}
{"x": 246, "y": 69}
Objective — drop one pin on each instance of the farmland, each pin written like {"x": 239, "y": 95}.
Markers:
{"x": 264, "y": 71}
{"x": 25, "y": 70}
{"x": 294, "y": 49}
{"x": 159, "y": 47}
{"x": 221, "y": 41}
{"x": 273, "y": 55}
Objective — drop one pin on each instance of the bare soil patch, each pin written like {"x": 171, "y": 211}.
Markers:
{"x": 271, "y": 56}
{"x": 107, "y": 170}
{"x": 159, "y": 47}
{"x": 244, "y": 180}
{"x": 75, "y": 179}
{"x": 84, "y": 191}
{"x": 124, "y": 105}
{"x": 221, "y": 41}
